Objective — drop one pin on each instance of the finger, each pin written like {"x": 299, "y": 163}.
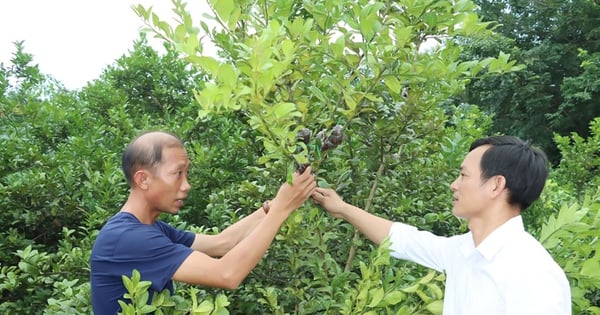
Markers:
{"x": 305, "y": 178}
{"x": 300, "y": 177}
{"x": 321, "y": 190}
{"x": 317, "y": 195}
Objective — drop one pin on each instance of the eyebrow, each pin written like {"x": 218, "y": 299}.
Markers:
{"x": 180, "y": 165}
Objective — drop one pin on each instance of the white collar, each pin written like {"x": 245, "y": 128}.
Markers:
{"x": 494, "y": 242}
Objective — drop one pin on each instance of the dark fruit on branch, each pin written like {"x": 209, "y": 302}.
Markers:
{"x": 336, "y": 137}
{"x": 327, "y": 145}
{"x": 303, "y": 135}
{"x": 321, "y": 134}
{"x": 302, "y": 167}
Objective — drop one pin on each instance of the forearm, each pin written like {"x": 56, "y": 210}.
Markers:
{"x": 219, "y": 244}
{"x": 232, "y": 268}
{"x": 254, "y": 236}
{"x": 371, "y": 226}
{"x": 239, "y": 230}
{"x": 248, "y": 252}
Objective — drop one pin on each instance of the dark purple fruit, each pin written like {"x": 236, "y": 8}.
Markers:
{"x": 327, "y": 145}
{"x": 303, "y": 135}
{"x": 321, "y": 134}
{"x": 302, "y": 167}
{"x": 336, "y": 137}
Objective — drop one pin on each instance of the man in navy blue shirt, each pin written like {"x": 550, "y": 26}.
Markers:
{"x": 156, "y": 167}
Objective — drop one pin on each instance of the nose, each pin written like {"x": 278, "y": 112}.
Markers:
{"x": 185, "y": 185}
{"x": 453, "y": 185}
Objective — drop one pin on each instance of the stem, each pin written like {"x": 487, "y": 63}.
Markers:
{"x": 354, "y": 248}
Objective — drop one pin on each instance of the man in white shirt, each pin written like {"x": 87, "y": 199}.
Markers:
{"x": 497, "y": 267}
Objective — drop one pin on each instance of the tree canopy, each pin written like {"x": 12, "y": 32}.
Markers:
{"x": 407, "y": 115}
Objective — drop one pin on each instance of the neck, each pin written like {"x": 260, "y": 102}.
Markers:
{"x": 481, "y": 227}
{"x": 140, "y": 209}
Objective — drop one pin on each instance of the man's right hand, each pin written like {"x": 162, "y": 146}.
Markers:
{"x": 291, "y": 197}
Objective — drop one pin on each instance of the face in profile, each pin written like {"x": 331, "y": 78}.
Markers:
{"x": 469, "y": 191}
{"x": 168, "y": 185}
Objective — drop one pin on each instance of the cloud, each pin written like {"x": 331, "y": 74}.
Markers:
{"x": 74, "y": 40}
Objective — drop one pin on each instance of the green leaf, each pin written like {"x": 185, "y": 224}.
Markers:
{"x": 392, "y": 83}
{"x": 411, "y": 289}
{"x": 285, "y": 110}
{"x": 394, "y": 297}
{"x": 435, "y": 307}
{"x": 204, "y": 307}
{"x": 224, "y": 8}
{"x": 128, "y": 283}
{"x": 591, "y": 267}
{"x": 209, "y": 64}
{"x": 227, "y": 75}
{"x": 376, "y": 295}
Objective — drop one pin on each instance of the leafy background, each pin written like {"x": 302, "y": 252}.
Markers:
{"x": 408, "y": 116}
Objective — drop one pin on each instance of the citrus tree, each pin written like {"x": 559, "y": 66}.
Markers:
{"x": 354, "y": 89}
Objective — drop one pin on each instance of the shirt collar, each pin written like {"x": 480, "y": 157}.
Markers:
{"x": 467, "y": 247}
{"x": 494, "y": 242}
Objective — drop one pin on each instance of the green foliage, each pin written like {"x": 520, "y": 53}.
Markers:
{"x": 558, "y": 43}
{"x": 59, "y": 277}
{"x": 572, "y": 237}
{"x": 374, "y": 293}
{"x": 580, "y": 165}
{"x": 579, "y": 94}
{"x": 281, "y": 66}
{"x": 331, "y": 62}
{"x": 137, "y": 300}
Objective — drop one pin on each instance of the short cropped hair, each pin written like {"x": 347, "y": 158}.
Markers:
{"x": 524, "y": 167}
{"x": 147, "y": 154}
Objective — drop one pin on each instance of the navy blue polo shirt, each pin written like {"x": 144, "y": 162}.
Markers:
{"x": 124, "y": 244}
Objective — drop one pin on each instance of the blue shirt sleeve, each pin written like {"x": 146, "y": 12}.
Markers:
{"x": 153, "y": 253}
{"x": 175, "y": 235}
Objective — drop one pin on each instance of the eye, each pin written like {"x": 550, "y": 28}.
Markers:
{"x": 182, "y": 172}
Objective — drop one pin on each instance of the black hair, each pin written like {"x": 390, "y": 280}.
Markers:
{"x": 146, "y": 155}
{"x": 524, "y": 167}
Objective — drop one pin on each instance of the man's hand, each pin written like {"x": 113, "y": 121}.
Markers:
{"x": 290, "y": 197}
{"x": 373, "y": 227}
{"x": 330, "y": 201}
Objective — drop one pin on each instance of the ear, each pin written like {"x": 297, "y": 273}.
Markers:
{"x": 498, "y": 183}
{"x": 140, "y": 178}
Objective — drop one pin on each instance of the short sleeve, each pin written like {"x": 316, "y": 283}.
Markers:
{"x": 176, "y": 236}
{"x": 153, "y": 254}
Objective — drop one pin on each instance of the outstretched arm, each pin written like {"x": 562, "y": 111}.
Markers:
{"x": 233, "y": 267}
{"x": 219, "y": 244}
{"x": 373, "y": 227}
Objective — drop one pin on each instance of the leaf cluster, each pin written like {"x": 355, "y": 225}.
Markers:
{"x": 282, "y": 66}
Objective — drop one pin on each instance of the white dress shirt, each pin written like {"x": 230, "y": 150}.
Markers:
{"x": 509, "y": 273}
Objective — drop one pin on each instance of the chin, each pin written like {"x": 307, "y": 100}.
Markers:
{"x": 171, "y": 211}
{"x": 457, "y": 214}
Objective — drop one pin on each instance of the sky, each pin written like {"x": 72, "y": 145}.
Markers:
{"x": 74, "y": 40}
